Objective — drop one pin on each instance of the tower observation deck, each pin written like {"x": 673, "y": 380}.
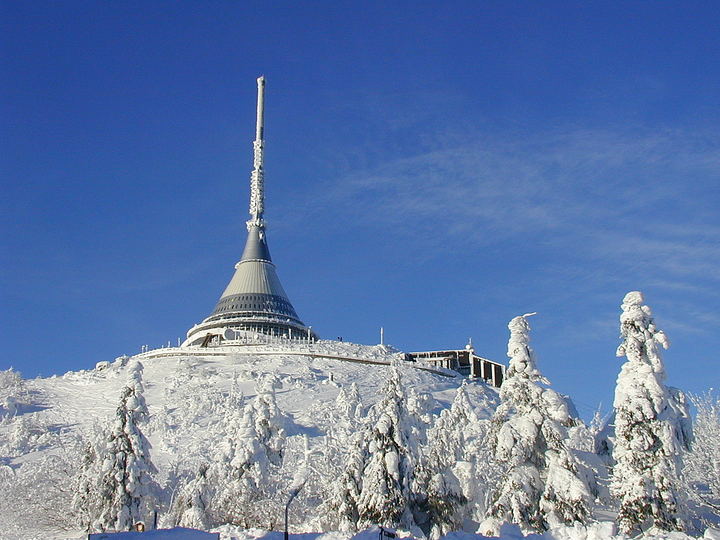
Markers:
{"x": 254, "y": 306}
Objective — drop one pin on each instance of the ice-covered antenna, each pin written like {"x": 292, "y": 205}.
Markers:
{"x": 257, "y": 177}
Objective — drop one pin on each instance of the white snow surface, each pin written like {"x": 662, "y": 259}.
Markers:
{"x": 180, "y": 391}
{"x": 43, "y": 417}
{"x": 598, "y": 531}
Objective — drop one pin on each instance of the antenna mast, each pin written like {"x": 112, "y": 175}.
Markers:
{"x": 257, "y": 177}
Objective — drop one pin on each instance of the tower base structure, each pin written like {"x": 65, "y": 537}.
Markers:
{"x": 214, "y": 332}
{"x": 254, "y": 306}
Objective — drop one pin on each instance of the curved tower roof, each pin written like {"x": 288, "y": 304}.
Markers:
{"x": 254, "y": 303}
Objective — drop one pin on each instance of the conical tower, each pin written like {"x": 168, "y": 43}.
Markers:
{"x": 254, "y": 305}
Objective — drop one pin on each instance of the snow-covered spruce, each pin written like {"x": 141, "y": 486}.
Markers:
{"x": 86, "y": 503}
{"x": 475, "y": 468}
{"x": 269, "y": 421}
{"x": 344, "y": 458}
{"x": 190, "y": 504}
{"x": 348, "y": 407}
{"x": 12, "y": 393}
{"x": 345, "y": 491}
{"x": 251, "y": 450}
{"x": 438, "y": 492}
{"x": 542, "y": 485}
{"x": 702, "y": 465}
{"x": 651, "y": 427}
{"x": 236, "y": 468}
{"x": 116, "y": 487}
{"x": 385, "y": 497}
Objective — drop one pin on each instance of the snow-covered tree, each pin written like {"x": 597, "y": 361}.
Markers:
{"x": 344, "y": 455}
{"x": 347, "y": 409}
{"x": 190, "y": 504}
{"x": 250, "y": 451}
{"x": 651, "y": 427}
{"x": 438, "y": 491}
{"x": 238, "y": 468}
{"x": 124, "y": 490}
{"x": 348, "y": 465}
{"x": 702, "y": 464}
{"x": 269, "y": 420}
{"x": 542, "y": 484}
{"x": 420, "y": 407}
{"x": 86, "y": 503}
{"x": 12, "y": 393}
{"x": 385, "y": 498}
{"x": 21, "y": 437}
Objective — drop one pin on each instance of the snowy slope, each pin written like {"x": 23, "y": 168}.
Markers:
{"x": 43, "y": 421}
{"x": 181, "y": 389}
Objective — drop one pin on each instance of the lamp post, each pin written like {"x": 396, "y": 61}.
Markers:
{"x": 293, "y": 493}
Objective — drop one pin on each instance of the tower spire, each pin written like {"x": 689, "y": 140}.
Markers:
{"x": 257, "y": 177}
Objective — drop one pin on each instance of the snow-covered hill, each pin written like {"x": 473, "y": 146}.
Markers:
{"x": 183, "y": 391}
{"x": 327, "y": 411}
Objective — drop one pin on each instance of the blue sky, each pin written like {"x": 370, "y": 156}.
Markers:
{"x": 433, "y": 168}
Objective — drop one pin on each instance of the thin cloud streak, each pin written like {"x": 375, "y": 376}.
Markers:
{"x": 507, "y": 189}
{"x": 626, "y": 207}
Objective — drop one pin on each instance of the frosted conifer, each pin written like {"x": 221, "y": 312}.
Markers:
{"x": 345, "y": 454}
{"x": 251, "y": 449}
{"x": 237, "y": 468}
{"x": 651, "y": 426}
{"x": 541, "y": 484}
{"x": 419, "y": 407}
{"x": 269, "y": 421}
{"x": 85, "y": 503}
{"x": 345, "y": 491}
{"x": 438, "y": 491}
{"x": 125, "y": 489}
{"x": 190, "y": 505}
{"x": 21, "y": 439}
{"x": 385, "y": 498}
{"x": 702, "y": 464}
{"x": 12, "y": 392}
{"x": 348, "y": 407}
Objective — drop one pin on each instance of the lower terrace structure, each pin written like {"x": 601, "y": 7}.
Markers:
{"x": 465, "y": 362}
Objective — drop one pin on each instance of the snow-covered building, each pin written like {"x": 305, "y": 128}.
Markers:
{"x": 465, "y": 362}
{"x": 254, "y": 304}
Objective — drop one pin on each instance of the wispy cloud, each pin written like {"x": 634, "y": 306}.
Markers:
{"x": 504, "y": 187}
{"x": 625, "y": 205}
{"x": 692, "y": 255}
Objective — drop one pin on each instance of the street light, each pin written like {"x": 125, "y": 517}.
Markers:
{"x": 293, "y": 493}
